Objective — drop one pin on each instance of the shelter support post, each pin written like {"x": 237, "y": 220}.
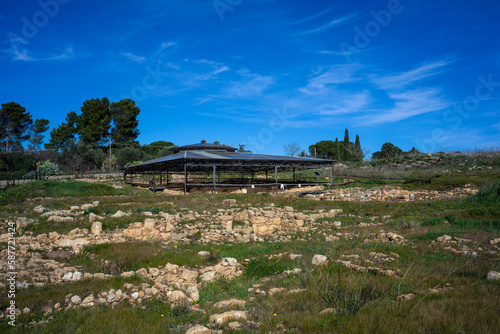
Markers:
{"x": 294, "y": 175}
{"x": 167, "y": 178}
{"x": 185, "y": 179}
{"x": 154, "y": 181}
{"x": 331, "y": 176}
{"x": 215, "y": 184}
{"x": 276, "y": 177}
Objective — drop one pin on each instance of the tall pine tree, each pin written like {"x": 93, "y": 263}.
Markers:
{"x": 95, "y": 121}
{"x": 14, "y": 122}
{"x": 125, "y": 121}
{"x": 64, "y": 134}
{"x": 36, "y": 131}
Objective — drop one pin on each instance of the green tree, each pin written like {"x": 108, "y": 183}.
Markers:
{"x": 36, "y": 133}
{"x": 324, "y": 149}
{"x": 125, "y": 121}
{"x": 358, "y": 151}
{"x": 388, "y": 150}
{"x": 241, "y": 149}
{"x": 158, "y": 149}
{"x": 95, "y": 121}
{"x": 129, "y": 154}
{"x": 337, "y": 155}
{"x": 14, "y": 122}
{"x": 346, "y": 154}
{"x": 65, "y": 133}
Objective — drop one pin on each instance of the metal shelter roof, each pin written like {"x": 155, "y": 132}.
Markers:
{"x": 198, "y": 160}
{"x": 203, "y": 146}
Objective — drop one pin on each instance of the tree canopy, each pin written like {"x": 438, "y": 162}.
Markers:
{"x": 14, "y": 123}
{"x": 95, "y": 121}
{"x": 36, "y": 131}
{"x": 125, "y": 123}
{"x": 388, "y": 150}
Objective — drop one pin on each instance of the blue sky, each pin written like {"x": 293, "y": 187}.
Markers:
{"x": 265, "y": 73}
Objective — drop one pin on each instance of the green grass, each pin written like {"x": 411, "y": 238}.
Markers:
{"x": 17, "y": 194}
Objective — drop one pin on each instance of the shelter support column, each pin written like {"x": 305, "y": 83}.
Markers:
{"x": 294, "y": 175}
{"x": 185, "y": 179}
{"x": 276, "y": 177}
{"x": 331, "y": 176}
{"x": 215, "y": 184}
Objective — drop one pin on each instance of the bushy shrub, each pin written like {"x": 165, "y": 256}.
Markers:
{"x": 49, "y": 168}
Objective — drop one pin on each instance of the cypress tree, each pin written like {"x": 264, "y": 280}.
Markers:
{"x": 337, "y": 149}
{"x": 347, "y": 147}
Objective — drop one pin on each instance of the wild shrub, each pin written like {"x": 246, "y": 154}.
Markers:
{"x": 347, "y": 292}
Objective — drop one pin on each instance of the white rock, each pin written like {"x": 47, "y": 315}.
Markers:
{"x": 231, "y": 261}
{"x": 134, "y": 295}
{"x": 96, "y": 228}
{"x": 39, "y": 209}
{"x": 493, "y": 276}
{"x": 319, "y": 260}
{"x": 208, "y": 276}
{"x": 193, "y": 293}
{"x": 198, "y": 329}
{"x": 76, "y": 276}
{"x": 220, "y": 319}
{"x": 204, "y": 254}
{"x": 68, "y": 276}
{"x": 118, "y": 214}
{"x": 76, "y": 299}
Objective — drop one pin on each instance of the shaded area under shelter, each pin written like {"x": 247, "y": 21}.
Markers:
{"x": 218, "y": 166}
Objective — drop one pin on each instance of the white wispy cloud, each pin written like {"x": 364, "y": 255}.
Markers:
{"x": 349, "y": 104}
{"x": 409, "y": 104}
{"x": 134, "y": 58}
{"x": 334, "y": 75}
{"x": 409, "y": 77}
{"x": 21, "y": 53}
{"x": 250, "y": 85}
{"x": 312, "y": 17}
{"x": 164, "y": 46}
{"x": 330, "y": 24}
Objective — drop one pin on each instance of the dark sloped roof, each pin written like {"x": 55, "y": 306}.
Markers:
{"x": 230, "y": 161}
{"x": 204, "y": 147}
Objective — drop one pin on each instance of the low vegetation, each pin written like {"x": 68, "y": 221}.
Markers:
{"x": 439, "y": 288}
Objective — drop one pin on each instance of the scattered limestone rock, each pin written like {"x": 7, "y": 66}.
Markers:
{"x": 198, "y": 329}
{"x": 319, "y": 260}
{"x": 329, "y": 311}
{"x": 177, "y": 298}
{"x": 59, "y": 219}
{"x": 230, "y": 303}
{"x": 493, "y": 276}
{"x": 407, "y": 296}
{"x": 96, "y": 228}
{"x": 39, "y": 209}
{"x": 118, "y": 214}
{"x": 76, "y": 299}
{"x": 220, "y": 319}
{"x": 274, "y": 291}
{"x": 193, "y": 293}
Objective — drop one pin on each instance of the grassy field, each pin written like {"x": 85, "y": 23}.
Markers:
{"x": 451, "y": 291}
